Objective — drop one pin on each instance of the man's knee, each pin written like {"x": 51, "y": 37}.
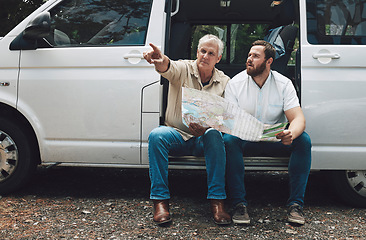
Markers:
{"x": 213, "y": 138}
{"x": 159, "y": 134}
{"x": 304, "y": 140}
{"x": 213, "y": 133}
{"x": 231, "y": 140}
{"x": 154, "y": 134}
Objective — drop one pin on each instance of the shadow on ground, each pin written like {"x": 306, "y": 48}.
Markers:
{"x": 263, "y": 188}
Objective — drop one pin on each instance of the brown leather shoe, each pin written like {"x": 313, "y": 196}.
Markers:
{"x": 220, "y": 216}
{"x": 161, "y": 211}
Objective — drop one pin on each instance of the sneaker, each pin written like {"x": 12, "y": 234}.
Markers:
{"x": 240, "y": 214}
{"x": 295, "y": 214}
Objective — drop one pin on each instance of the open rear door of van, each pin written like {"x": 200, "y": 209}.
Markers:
{"x": 333, "y": 70}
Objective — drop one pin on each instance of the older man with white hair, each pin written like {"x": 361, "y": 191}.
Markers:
{"x": 176, "y": 139}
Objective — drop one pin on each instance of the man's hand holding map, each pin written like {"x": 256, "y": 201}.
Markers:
{"x": 210, "y": 110}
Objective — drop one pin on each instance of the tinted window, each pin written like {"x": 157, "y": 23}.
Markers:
{"x": 14, "y": 11}
{"x": 336, "y": 22}
{"x": 236, "y": 37}
{"x": 100, "y": 22}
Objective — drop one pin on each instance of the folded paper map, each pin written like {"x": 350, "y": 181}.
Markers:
{"x": 210, "y": 110}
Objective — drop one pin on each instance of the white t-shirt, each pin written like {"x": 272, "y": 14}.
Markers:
{"x": 269, "y": 103}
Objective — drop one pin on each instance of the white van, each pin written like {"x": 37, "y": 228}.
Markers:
{"x": 75, "y": 90}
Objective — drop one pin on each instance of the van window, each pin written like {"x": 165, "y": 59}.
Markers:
{"x": 336, "y": 22}
{"x": 13, "y": 12}
{"x": 99, "y": 22}
{"x": 236, "y": 37}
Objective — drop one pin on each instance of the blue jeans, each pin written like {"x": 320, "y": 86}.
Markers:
{"x": 164, "y": 141}
{"x": 298, "y": 168}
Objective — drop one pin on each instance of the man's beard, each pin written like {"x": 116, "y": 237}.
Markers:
{"x": 257, "y": 71}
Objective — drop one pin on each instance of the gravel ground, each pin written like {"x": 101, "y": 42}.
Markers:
{"x": 91, "y": 203}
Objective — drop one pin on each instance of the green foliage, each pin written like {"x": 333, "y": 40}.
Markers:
{"x": 292, "y": 60}
{"x": 240, "y": 39}
{"x": 13, "y": 12}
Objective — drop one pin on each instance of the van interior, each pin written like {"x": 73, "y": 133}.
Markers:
{"x": 234, "y": 21}
{"x": 238, "y": 23}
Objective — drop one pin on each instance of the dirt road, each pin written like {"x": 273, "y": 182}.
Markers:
{"x": 92, "y": 203}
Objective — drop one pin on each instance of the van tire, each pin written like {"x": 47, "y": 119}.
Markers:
{"x": 350, "y": 186}
{"x": 17, "y": 162}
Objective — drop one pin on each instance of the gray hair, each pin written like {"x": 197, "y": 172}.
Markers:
{"x": 210, "y": 37}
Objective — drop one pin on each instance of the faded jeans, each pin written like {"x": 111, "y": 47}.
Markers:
{"x": 164, "y": 141}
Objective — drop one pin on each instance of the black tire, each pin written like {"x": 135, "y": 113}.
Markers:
{"x": 17, "y": 163}
{"x": 350, "y": 186}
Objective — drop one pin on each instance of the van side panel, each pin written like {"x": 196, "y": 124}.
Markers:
{"x": 9, "y": 68}
{"x": 333, "y": 92}
{"x": 85, "y": 103}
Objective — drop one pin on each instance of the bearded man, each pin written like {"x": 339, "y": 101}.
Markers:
{"x": 271, "y": 98}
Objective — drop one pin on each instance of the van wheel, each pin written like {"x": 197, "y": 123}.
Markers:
{"x": 350, "y": 186}
{"x": 16, "y": 158}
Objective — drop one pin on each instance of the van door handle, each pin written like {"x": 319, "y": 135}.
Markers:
{"x": 326, "y": 55}
{"x": 133, "y": 55}
{"x": 4, "y": 84}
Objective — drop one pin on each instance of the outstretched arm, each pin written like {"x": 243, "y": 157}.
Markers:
{"x": 156, "y": 57}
